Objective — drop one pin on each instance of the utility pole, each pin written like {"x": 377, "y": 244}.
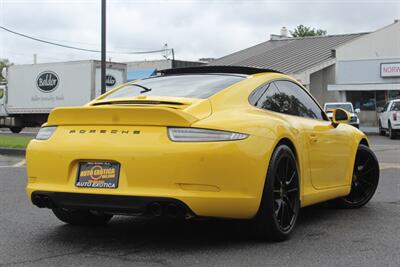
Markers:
{"x": 103, "y": 46}
{"x": 173, "y": 58}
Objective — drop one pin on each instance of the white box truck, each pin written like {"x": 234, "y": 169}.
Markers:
{"x": 33, "y": 90}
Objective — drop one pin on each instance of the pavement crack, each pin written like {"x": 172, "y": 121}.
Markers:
{"x": 161, "y": 262}
{"x": 41, "y": 258}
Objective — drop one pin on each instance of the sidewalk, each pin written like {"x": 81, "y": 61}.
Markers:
{"x": 373, "y": 130}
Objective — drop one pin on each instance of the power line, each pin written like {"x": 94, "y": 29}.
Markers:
{"x": 79, "y": 48}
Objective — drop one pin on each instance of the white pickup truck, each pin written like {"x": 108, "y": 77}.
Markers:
{"x": 389, "y": 118}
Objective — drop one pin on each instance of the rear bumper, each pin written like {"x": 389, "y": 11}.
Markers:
{"x": 112, "y": 204}
{"x": 395, "y": 126}
{"x": 213, "y": 179}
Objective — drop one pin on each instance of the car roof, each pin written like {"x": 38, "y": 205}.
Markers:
{"x": 216, "y": 69}
{"x": 337, "y": 103}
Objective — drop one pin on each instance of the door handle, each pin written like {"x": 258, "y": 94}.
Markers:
{"x": 313, "y": 138}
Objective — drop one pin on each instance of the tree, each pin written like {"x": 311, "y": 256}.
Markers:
{"x": 3, "y": 63}
{"x": 304, "y": 31}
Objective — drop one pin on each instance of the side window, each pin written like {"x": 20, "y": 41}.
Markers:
{"x": 293, "y": 100}
{"x": 255, "y": 95}
{"x": 269, "y": 100}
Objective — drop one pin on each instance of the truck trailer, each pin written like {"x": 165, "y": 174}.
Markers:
{"x": 33, "y": 90}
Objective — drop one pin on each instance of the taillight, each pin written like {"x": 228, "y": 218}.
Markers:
{"x": 202, "y": 135}
{"x": 45, "y": 132}
{"x": 395, "y": 116}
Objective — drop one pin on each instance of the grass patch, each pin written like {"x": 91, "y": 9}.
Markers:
{"x": 10, "y": 141}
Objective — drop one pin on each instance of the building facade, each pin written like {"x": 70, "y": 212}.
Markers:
{"x": 368, "y": 70}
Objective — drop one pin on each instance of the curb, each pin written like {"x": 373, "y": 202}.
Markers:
{"x": 12, "y": 151}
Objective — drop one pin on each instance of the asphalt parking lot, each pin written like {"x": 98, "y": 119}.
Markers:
{"x": 370, "y": 236}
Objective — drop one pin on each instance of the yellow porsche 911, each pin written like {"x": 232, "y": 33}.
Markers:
{"x": 222, "y": 142}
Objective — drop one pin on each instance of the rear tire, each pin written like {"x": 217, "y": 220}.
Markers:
{"x": 16, "y": 129}
{"x": 382, "y": 131}
{"x": 280, "y": 204}
{"x": 81, "y": 217}
{"x": 392, "y": 134}
{"x": 365, "y": 180}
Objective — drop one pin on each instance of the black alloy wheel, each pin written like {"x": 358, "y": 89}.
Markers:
{"x": 364, "y": 181}
{"x": 280, "y": 204}
{"x": 286, "y": 191}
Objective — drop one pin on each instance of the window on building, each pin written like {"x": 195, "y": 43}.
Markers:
{"x": 393, "y": 94}
{"x": 364, "y": 100}
{"x": 381, "y": 98}
{"x": 385, "y": 107}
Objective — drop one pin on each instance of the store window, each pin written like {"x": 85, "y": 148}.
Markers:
{"x": 370, "y": 100}
{"x": 381, "y": 98}
{"x": 394, "y": 94}
{"x": 364, "y": 100}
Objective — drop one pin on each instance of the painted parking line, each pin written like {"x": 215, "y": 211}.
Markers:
{"x": 19, "y": 164}
{"x": 384, "y": 166}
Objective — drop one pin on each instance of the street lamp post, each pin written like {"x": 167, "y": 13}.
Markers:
{"x": 103, "y": 46}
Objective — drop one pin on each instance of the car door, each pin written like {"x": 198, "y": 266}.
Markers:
{"x": 328, "y": 147}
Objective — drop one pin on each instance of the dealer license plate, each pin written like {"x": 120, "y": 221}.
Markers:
{"x": 98, "y": 174}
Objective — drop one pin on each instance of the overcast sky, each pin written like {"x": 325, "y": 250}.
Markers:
{"x": 194, "y": 29}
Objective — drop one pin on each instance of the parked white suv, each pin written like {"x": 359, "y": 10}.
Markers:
{"x": 348, "y": 106}
{"x": 389, "y": 118}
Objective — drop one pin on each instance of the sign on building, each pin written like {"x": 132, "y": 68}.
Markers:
{"x": 390, "y": 69}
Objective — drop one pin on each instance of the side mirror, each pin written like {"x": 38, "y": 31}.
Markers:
{"x": 357, "y": 110}
{"x": 340, "y": 116}
{"x": 379, "y": 109}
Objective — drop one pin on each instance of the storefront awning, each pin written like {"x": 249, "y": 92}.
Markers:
{"x": 364, "y": 87}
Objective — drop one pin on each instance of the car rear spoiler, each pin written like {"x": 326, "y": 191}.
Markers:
{"x": 216, "y": 69}
{"x": 114, "y": 115}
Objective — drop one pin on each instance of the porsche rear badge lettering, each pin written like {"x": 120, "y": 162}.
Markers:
{"x": 104, "y": 131}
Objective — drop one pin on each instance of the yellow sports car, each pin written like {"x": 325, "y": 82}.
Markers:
{"x": 225, "y": 142}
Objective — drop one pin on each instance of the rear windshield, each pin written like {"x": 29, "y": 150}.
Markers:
{"x": 347, "y": 107}
{"x": 192, "y": 86}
